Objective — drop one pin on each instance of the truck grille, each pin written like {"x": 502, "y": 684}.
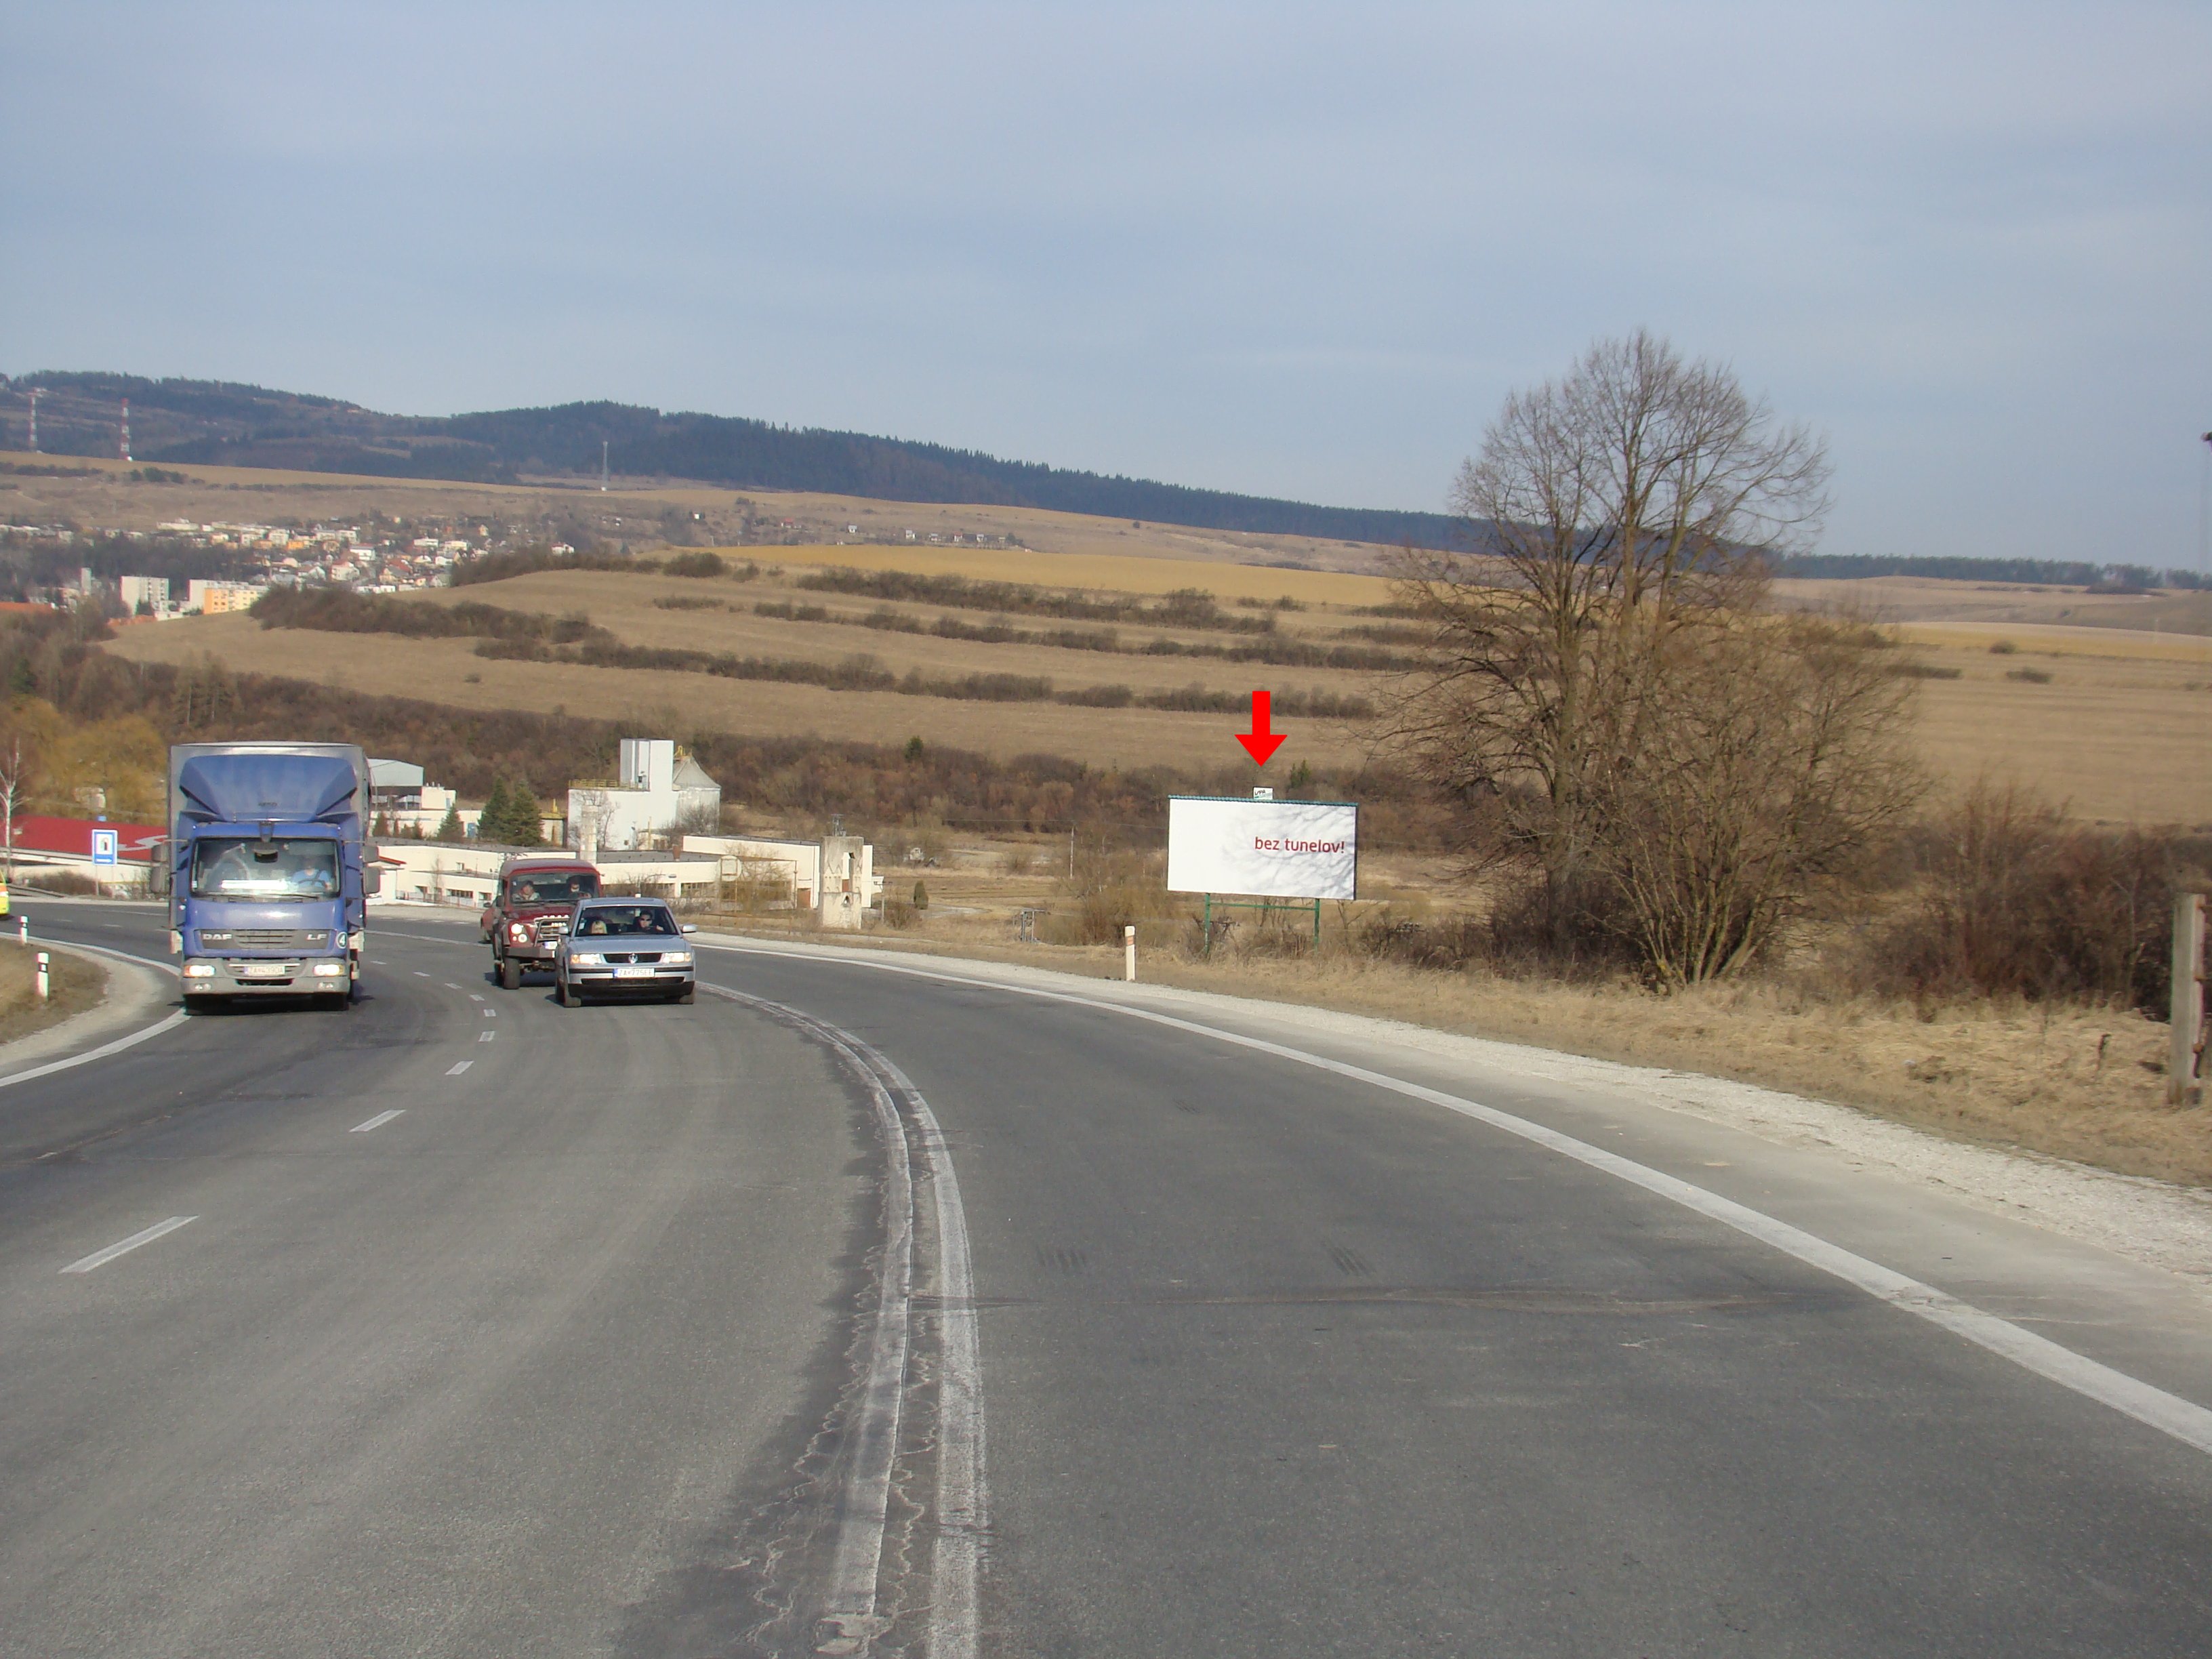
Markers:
{"x": 551, "y": 927}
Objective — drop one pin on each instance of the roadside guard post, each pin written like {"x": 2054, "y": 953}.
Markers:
{"x": 1129, "y": 952}
{"x": 2186, "y": 1056}
{"x": 1264, "y": 851}
{"x": 42, "y": 977}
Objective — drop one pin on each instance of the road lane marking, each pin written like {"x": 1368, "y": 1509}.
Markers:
{"x": 486, "y": 1036}
{"x": 123, "y": 1247}
{"x": 378, "y": 1121}
{"x": 419, "y": 974}
{"x": 100, "y": 1053}
{"x": 455, "y": 1071}
{"x": 378, "y": 962}
{"x": 2169, "y": 1413}
{"x": 473, "y": 996}
{"x": 491, "y": 1013}
{"x": 961, "y": 1502}
{"x": 450, "y": 985}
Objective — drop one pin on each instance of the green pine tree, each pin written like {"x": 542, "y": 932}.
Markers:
{"x": 524, "y": 827}
{"x": 491, "y": 821}
{"x": 450, "y": 828}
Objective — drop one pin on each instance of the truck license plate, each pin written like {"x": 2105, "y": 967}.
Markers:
{"x": 261, "y": 970}
{"x": 634, "y": 973}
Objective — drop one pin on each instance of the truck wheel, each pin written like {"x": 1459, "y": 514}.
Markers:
{"x": 510, "y": 974}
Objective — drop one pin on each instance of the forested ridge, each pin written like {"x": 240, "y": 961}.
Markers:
{"x": 209, "y": 422}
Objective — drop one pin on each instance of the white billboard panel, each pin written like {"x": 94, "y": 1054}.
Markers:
{"x": 1268, "y": 848}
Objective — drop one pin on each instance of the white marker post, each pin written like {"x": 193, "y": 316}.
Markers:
{"x": 42, "y": 975}
{"x": 1129, "y": 953}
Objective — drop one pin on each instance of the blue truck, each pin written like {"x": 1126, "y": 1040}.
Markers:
{"x": 269, "y": 869}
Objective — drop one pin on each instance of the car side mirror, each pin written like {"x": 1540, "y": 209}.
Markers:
{"x": 690, "y": 928}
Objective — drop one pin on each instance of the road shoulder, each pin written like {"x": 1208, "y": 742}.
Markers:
{"x": 135, "y": 996}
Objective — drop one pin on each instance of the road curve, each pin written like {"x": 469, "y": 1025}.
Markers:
{"x": 612, "y": 1342}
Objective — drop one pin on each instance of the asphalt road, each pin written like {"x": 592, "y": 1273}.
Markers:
{"x": 593, "y": 1350}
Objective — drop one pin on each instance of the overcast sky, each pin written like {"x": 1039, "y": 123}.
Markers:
{"x": 1297, "y": 251}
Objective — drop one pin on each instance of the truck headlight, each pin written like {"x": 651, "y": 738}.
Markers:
{"x": 519, "y": 931}
{"x": 199, "y": 970}
{"x": 328, "y": 970}
{"x": 585, "y": 959}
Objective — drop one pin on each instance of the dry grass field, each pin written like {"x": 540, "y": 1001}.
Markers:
{"x": 2116, "y": 722}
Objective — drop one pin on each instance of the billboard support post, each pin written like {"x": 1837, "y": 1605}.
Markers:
{"x": 1264, "y": 906}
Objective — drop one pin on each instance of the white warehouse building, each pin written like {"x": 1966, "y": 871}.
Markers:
{"x": 657, "y": 791}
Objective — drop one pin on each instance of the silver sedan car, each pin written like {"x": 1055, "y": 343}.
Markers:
{"x": 629, "y": 947}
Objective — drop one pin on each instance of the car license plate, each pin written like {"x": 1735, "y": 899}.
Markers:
{"x": 261, "y": 970}
{"x": 634, "y": 973}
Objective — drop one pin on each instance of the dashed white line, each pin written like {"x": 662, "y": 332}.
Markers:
{"x": 378, "y": 962}
{"x": 450, "y": 985}
{"x": 473, "y": 996}
{"x": 377, "y": 1122}
{"x": 455, "y": 1071}
{"x": 486, "y": 1036}
{"x": 419, "y": 974}
{"x": 491, "y": 1013}
{"x": 101, "y": 1258}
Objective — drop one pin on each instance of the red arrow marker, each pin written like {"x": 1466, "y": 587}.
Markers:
{"x": 1260, "y": 742}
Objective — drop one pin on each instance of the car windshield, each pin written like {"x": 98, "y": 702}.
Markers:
{"x": 278, "y": 870}
{"x": 603, "y": 920}
{"x": 566, "y": 887}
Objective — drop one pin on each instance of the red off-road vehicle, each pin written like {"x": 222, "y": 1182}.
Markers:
{"x": 529, "y": 913}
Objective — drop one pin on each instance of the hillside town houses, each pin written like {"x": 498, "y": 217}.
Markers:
{"x": 368, "y": 559}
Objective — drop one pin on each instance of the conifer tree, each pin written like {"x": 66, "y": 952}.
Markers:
{"x": 491, "y": 821}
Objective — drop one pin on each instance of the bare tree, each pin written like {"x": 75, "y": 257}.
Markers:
{"x": 12, "y": 775}
{"x": 1621, "y": 520}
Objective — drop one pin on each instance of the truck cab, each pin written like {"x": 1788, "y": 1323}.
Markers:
{"x": 530, "y": 910}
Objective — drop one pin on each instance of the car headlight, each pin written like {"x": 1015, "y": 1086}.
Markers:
{"x": 676, "y": 958}
{"x": 328, "y": 970}
{"x": 584, "y": 958}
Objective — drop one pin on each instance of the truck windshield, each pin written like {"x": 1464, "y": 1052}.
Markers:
{"x": 278, "y": 870}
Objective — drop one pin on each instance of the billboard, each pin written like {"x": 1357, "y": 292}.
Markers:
{"x": 1306, "y": 849}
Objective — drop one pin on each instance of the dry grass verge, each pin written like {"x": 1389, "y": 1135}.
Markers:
{"x": 75, "y": 985}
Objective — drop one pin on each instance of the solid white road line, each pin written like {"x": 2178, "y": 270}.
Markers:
{"x": 455, "y": 1071}
{"x": 961, "y": 1491}
{"x": 2169, "y": 1413}
{"x": 377, "y": 1122}
{"x": 100, "y": 1053}
{"x": 101, "y": 1258}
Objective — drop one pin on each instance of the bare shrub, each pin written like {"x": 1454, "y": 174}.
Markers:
{"x": 2014, "y": 900}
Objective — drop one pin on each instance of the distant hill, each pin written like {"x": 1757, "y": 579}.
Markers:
{"x": 214, "y": 422}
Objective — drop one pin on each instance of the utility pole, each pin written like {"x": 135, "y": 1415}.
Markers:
{"x": 2203, "y": 503}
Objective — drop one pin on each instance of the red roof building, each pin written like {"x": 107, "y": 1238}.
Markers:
{"x": 72, "y": 838}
